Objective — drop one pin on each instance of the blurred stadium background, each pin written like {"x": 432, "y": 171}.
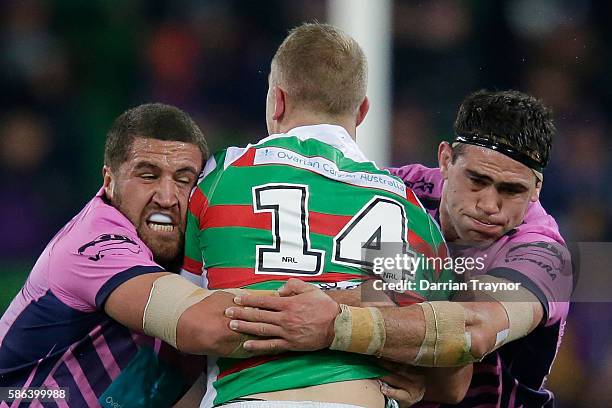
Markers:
{"x": 68, "y": 67}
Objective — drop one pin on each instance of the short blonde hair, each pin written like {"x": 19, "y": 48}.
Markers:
{"x": 321, "y": 68}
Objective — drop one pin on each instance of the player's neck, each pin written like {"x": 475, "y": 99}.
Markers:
{"x": 310, "y": 118}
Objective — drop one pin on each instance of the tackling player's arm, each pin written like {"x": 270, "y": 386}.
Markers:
{"x": 447, "y": 334}
{"x": 492, "y": 317}
{"x": 166, "y": 306}
{"x": 174, "y": 309}
{"x": 431, "y": 334}
{"x": 443, "y": 385}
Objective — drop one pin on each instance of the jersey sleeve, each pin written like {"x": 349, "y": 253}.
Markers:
{"x": 433, "y": 276}
{"x": 193, "y": 261}
{"x": 424, "y": 181}
{"x": 92, "y": 269}
{"x": 407, "y": 172}
{"x": 440, "y": 268}
{"x": 541, "y": 265}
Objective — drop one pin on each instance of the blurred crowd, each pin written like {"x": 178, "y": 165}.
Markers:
{"x": 68, "y": 67}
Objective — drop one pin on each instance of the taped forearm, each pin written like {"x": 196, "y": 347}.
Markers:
{"x": 442, "y": 342}
{"x": 398, "y": 335}
{"x": 169, "y": 299}
{"x": 359, "y": 330}
{"x": 520, "y": 307}
{"x": 450, "y": 341}
{"x": 446, "y": 340}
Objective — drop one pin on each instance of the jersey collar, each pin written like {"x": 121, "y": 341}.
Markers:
{"x": 332, "y": 135}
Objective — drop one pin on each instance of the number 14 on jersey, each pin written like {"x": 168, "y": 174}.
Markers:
{"x": 381, "y": 219}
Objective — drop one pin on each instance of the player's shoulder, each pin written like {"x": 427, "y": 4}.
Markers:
{"x": 520, "y": 245}
{"x": 104, "y": 217}
{"x": 97, "y": 244}
{"x": 426, "y": 182}
{"x": 411, "y": 173}
{"x": 98, "y": 229}
{"x": 542, "y": 264}
{"x": 538, "y": 234}
{"x": 537, "y": 250}
{"x": 224, "y": 158}
{"x": 538, "y": 225}
{"x": 217, "y": 163}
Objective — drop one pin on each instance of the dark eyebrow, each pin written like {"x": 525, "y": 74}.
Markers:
{"x": 477, "y": 175}
{"x": 188, "y": 169}
{"x": 145, "y": 165}
{"x": 518, "y": 187}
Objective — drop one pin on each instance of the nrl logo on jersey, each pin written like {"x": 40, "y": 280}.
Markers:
{"x": 109, "y": 244}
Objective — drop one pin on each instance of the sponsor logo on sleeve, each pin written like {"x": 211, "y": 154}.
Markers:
{"x": 109, "y": 244}
{"x": 546, "y": 255}
{"x": 420, "y": 185}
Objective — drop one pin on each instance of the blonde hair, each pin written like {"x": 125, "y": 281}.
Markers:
{"x": 322, "y": 69}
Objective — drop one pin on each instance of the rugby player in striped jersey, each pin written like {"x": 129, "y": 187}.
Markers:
{"x": 485, "y": 196}
{"x": 303, "y": 202}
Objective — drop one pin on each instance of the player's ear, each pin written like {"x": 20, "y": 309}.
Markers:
{"x": 364, "y": 107}
{"x": 280, "y": 102}
{"x": 445, "y": 158}
{"x": 108, "y": 182}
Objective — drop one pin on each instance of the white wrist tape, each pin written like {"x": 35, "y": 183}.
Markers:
{"x": 518, "y": 305}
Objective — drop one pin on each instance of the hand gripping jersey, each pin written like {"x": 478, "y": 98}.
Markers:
{"x": 302, "y": 205}
{"x": 533, "y": 254}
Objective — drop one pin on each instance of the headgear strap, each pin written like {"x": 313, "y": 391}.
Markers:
{"x": 488, "y": 142}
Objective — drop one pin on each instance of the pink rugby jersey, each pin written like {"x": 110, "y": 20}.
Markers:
{"x": 55, "y": 332}
{"x": 533, "y": 254}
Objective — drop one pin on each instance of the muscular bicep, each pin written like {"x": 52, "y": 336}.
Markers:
{"x": 486, "y": 311}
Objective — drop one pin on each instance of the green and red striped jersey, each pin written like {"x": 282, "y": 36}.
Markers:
{"x": 302, "y": 204}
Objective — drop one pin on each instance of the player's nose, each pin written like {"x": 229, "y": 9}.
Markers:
{"x": 488, "y": 201}
{"x": 166, "y": 193}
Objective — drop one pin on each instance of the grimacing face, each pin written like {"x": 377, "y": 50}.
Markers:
{"x": 152, "y": 187}
{"x": 485, "y": 194}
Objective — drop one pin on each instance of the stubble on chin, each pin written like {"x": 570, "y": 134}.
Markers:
{"x": 172, "y": 259}
{"x": 163, "y": 250}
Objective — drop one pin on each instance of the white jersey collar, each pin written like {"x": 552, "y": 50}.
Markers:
{"x": 332, "y": 135}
